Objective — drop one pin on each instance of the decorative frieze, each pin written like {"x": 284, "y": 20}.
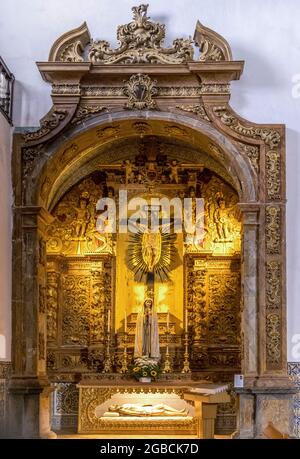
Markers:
{"x": 162, "y": 91}
{"x": 273, "y": 285}
{"x": 66, "y": 89}
{"x": 215, "y": 88}
{"x": 273, "y": 345}
{"x": 273, "y": 227}
{"x": 252, "y": 152}
{"x": 197, "y": 109}
{"x": 48, "y": 124}
{"x": 86, "y": 111}
{"x": 269, "y": 136}
{"x": 273, "y": 174}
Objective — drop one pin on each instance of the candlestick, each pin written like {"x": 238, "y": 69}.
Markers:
{"x": 186, "y": 361}
{"x": 108, "y": 362}
{"x": 124, "y": 367}
{"x": 108, "y": 321}
{"x": 167, "y": 368}
{"x": 186, "y": 320}
{"x": 125, "y": 322}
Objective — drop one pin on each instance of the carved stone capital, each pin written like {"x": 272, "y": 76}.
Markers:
{"x": 250, "y": 213}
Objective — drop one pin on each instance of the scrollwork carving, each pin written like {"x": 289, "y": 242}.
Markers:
{"x": 52, "y": 305}
{"x": 51, "y": 360}
{"x": 163, "y": 91}
{"x": 141, "y": 42}
{"x": 273, "y": 339}
{"x": 70, "y": 46}
{"x": 269, "y": 136}
{"x": 70, "y": 89}
{"x": 273, "y": 287}
{"x": 252, "y": 152}
{"x": 75, "y": 313}
{"x": 213, "y": 47}
{"x": 50, "y": 122}
{"x": 66, "y": 399}
{"x": 100, "y": 303}
{"x": 273, "y": 230}
{"x": 140, "y": 89}
{"x": 86, "y": 111}
{"x": 215, "y": 88}
{"x": 196, "y": 303}
{"x": 72, "y": 52}
{"x": 223, "y": 319}
{"x": 199, "y": 110}
{"x": 273, "y": 174}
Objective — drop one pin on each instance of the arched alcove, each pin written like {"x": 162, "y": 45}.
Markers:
{"x": 104, "y": 102}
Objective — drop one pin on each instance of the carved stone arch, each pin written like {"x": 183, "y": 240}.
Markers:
{"x": 219, "y": 147}
{"x": 103, "y": 95}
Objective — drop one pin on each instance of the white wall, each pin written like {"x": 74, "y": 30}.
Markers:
{"x": 264, "y": 33}
{"x": 5, "y": 238}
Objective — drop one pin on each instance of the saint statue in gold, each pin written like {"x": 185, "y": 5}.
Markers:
{"x": 146, "y": 334}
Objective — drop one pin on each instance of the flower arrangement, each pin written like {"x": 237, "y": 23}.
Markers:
{"x": 145, "y": 367}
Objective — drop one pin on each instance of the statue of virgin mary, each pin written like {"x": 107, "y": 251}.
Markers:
{"x": 146, "y": 334}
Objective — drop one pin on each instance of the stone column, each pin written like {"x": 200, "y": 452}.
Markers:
{"x": 267, "y": 393}
{"x": 29, "y": 385}
{"x": 249, "y": 300}
{"x": 249, "y": 315}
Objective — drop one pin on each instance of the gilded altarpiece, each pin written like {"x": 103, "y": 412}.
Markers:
{"x": 233, "y": 284}
{"x": 80, "y": 283}
{"x": 213, "y": 303}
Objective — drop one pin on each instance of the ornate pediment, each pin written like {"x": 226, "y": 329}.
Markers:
{"x": 213, "y": 47}
{"x": 141, "y": 42}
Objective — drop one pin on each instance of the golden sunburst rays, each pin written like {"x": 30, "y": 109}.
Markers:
{"x": 151, "y": 252}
